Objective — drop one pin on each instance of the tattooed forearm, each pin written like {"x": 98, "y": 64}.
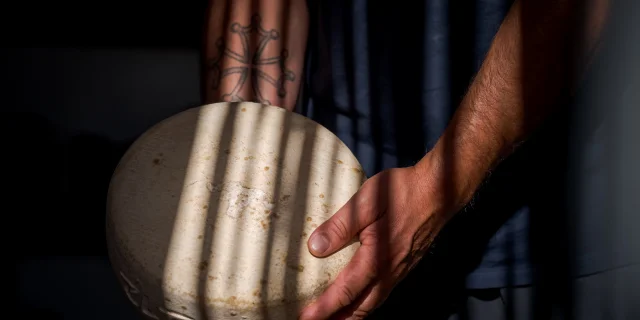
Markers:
{"x": 265, "y": 72}
{"x": 254, "y": 51}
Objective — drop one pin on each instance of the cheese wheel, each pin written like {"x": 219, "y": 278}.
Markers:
{"x": 209, "y": 213}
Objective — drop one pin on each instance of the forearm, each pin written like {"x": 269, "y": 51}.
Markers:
{"x": 254, "y": 51}
{"x": 530, "y": 63}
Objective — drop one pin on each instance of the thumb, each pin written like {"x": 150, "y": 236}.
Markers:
{"x": 337, "y": 232}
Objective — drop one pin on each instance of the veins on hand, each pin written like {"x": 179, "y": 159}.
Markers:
{"x": 252, "y": 63}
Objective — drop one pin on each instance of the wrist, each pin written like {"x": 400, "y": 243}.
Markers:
{"x": 450, "y": 181}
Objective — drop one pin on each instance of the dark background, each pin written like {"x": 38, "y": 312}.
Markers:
{"x": 83, "y": 80}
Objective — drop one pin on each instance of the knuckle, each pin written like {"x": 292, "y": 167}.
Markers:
{"x": 359, "y": 314}
{"x": 340, "y": 229}
{"x": 347, "y": 296}
{"x": 373, "y": 271}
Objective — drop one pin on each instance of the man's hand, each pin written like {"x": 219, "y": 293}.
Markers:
{"x": 397, "y": 213}
{"x": 395, "y": 216}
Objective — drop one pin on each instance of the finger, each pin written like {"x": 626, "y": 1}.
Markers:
{"x": 364, "y": 306}
{"x": 372, "y": 298}
{"x": 379, "y": 290}
{"x": 359, "y": 212}
{"x": 348, "y": 286}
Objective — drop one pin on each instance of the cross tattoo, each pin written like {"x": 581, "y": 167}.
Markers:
{"x": 252, "y": 62}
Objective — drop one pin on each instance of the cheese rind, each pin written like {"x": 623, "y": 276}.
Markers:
{"x": 210, "y": 210}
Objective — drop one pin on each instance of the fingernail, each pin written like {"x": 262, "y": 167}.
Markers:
{"x": 319, "y": 243}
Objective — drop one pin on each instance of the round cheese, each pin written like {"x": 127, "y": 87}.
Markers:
{"x": 209, "y": 213}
